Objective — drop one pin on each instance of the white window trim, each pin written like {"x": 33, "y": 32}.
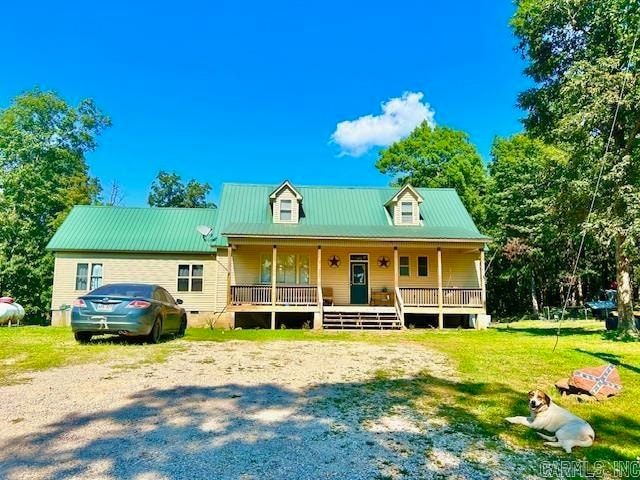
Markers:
{"x": 408, "y": 265}
{"x": 88, "y": 277}
{"x": 411, "y": 220}
{"x": 190, "y": 278}
{"x": 289, "y": 210}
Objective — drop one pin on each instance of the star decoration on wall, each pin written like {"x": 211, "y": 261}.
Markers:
{"x": 383, "y": 262}
{"x": 334, "y": 261}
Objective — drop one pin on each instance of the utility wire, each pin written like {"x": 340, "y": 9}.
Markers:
{"x": 595, "y": 192}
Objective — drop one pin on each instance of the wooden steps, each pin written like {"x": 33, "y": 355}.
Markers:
{"x": 360, "y": 320}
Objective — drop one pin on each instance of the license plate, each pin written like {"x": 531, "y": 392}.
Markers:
{"x": 103, "y": 307}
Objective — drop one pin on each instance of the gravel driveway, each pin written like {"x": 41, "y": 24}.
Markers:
{"x": 240, "y": 410}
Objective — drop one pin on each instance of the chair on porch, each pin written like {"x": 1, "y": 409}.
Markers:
{"x": 327, "y": 296}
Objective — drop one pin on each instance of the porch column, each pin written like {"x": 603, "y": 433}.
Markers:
{"x": 396, "y": 269}
{"x": 440, "y": 299}
{"x": 229, "y": 276}
{"x": 317, "y": 323}
{"x": 274, "y": 271}
{"x": 483, "y": 281}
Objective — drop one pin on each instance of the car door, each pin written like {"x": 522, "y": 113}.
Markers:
{"x": 173, "y": 310}
{"x": 160, "y": 299}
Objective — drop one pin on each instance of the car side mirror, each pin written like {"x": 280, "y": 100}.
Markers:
{"x": 179, "y": 301}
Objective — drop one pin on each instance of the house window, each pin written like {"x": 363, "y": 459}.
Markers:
{"x": 190, "y": 278}
{"x": 86, "y": 281}
{"x": 404, "y": 266}
{"x": 196, "y": 277}
{"x": 96, "y": 275}
{"x": 82, "y": 271}
{"x": 406, "y": 212}
{"x": 285, "y": 210}
{"x": 265, "y": 269}
{"x": 290, "y": 269}
{"x": 423, "y": 266}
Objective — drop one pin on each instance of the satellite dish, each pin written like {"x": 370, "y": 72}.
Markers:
{"x": 204, "y": 230}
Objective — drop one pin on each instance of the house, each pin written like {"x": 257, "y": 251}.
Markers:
{"x": 328, "y": 257}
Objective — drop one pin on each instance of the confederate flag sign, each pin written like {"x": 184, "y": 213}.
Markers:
{"x": 601, "y": 382}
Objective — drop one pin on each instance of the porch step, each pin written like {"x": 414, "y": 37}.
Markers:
{"x": 351, "y": 320}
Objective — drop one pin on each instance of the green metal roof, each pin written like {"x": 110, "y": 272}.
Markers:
{"x": 341, "y": 212}
{"x": 122, "y": 229}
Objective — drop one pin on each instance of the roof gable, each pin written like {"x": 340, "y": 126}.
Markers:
{"x": 401, "y": 192}
{"x": 286, "y": 184}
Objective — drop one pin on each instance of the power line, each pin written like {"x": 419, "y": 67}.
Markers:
{"x": 595, "y": 192}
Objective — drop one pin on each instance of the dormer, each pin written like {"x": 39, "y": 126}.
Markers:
{"x": 286, "y": 203}
{"x": 404, "y": 207}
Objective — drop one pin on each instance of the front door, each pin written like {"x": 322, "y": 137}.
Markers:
{"x": 359, "y": 283}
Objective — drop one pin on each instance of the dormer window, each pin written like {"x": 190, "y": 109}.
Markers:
{"x": 404, "y": 207}
{"x": 286, "y": 204}
{"x": 406, "y": 211}
{"x": 285, "y": 210}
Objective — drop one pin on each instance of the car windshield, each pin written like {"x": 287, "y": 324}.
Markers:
{"x": 124, "y": 290}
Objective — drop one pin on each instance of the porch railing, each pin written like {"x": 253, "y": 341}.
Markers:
{"x": 420, "y": 297}
{"x": 294, "y": 295}
{"x": 451, "y": 297}
{"x": 462, "y": 297}
{"x": 251, "y": 294}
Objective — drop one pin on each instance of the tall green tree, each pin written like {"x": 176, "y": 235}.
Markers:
{"x": 168, "y": 190}
{"x": 438, "y": 157}
{"x": 521, "y": 220}
{"x": 580, "y": 56}
{"x": 43, "y": 173}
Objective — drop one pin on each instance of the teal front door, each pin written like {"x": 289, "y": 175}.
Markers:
{"x": 359, "y": 283}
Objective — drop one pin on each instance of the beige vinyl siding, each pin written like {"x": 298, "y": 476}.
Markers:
{"x": 286, "y": 194}
{"x": 407, "y": 196}
{"x": 460, "y": 267}
{"x": 159, "y": 269}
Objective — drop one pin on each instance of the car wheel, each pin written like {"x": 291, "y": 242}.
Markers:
{"x": 82, "y": 337}
{"x": 183, "y": 326}
{"x": 156, "y": 331}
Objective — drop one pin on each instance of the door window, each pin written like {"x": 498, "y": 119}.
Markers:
{"x": 358, "y": 274}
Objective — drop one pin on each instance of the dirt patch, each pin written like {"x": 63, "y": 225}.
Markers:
{"x": 242, "y": 410}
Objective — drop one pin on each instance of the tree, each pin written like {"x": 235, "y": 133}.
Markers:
{"x": 438, "y": 157}
{"x": 579, "y": 56}
{"x": 43, "y": 173}
{"x": 168, "y": 190}
{"x": 116, "y": 194}
{"x": 519, "y": 215}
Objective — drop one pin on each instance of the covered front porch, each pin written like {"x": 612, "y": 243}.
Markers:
{"x": 368, "y": 285}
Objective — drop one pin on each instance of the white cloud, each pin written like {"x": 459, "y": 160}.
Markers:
{"x": 400, "y": 115}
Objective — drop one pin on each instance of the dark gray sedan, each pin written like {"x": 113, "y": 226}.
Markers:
{"x": 129, "y": 309}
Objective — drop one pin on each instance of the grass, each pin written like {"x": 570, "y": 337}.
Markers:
{"x": 495, "y": 370}
{"x": 29, "y": 349}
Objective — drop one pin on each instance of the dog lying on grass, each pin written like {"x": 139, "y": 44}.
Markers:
{"x": 568, "y": 429}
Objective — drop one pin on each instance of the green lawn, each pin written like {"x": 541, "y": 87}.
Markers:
{"x": 496, "y": 369}
{"x": 28, "y": 349}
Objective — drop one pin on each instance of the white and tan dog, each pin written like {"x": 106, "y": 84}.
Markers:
{"x": 570, "y": 431}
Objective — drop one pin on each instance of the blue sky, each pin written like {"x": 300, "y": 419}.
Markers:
{"x": 254, "y": 91}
